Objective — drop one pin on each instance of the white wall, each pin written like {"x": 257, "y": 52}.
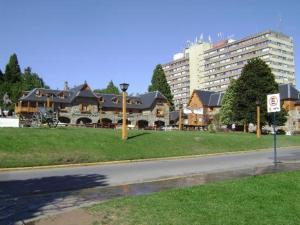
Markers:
{"x": 9, "y": 122}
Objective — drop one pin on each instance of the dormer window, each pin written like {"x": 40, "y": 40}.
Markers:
{"x": 38, "y": 93}
{"x": 115, "y": 100}
{"x": 129, "y": 101}
{"x": 101, "y": 99}
{"x": 62, "y": 95}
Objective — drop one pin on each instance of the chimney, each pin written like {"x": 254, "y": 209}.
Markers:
{"x": 66, "y": 87}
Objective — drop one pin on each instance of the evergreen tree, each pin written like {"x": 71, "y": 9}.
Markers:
{"x": 31, "y": 80}
{"x": 254, "y": 84}
{"x": 159, "y": 83}
{"x": 110, "y": 89}
{"x": 226, "y": 112}
{"x": 13, "y": 82}
{"x": 12, "y": 70}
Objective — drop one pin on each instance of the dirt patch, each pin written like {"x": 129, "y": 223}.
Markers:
{"x": 74, "y": 217}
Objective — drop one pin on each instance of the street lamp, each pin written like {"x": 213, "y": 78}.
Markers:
{"x": 258, "y": 131}
{"x": 124, "y": 88}
{"x": 180, "y": 117}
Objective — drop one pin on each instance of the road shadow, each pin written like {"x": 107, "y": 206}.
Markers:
{"x": 24, "y": 199}
{"x": 137, "y": 135}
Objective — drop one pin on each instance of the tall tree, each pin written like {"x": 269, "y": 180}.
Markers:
{"x": 254, "y": 84}
{"x": 226, "y": 112}
{"x": 159, "y": 83}
{"x": 12, "y": 70}
{"x": 110, "y": 89}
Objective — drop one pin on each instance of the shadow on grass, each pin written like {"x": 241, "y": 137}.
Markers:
{"x": 137, "y": 135}
{"x": 24, "y": 199}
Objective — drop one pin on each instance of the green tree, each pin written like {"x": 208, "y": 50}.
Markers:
{"x": 159, "y": 83}
{"x": 12, "y": 70}
{"x": 254, "y": 84}
{"x": 110, "y": 89}
{"x": 226, "y": 111}
{"x": 14, "y": 82}
{"x": 31, "y": 80}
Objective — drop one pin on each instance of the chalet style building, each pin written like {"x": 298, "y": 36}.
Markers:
{"x": 203, "y": 105}
{"x": 80, "y": 105}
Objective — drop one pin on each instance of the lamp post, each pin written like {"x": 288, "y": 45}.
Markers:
{"x": 180, "y": 117}
{"x": 258, "y": 131}
{"x": 124, "y": 88}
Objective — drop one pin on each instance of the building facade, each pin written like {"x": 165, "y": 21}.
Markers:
{"x": 226, "y": 59}
{"x": 80, "y": 105}
{"x": 204, "y": 66}
{"x": 203, "y": 105}
{"x": 178, "y": 77}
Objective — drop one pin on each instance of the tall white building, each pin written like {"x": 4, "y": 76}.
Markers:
{"x": 210, "y": 67}
{"x": 186, "y": 72}
{"x": 226, "y": 59}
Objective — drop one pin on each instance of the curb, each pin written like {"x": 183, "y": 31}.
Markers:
{"x": 138, "y": 160}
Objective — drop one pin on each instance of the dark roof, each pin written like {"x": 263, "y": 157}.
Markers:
{"x": 288, "y": 91}
{"x": 210, "y": 98}
{"x": 69, "y": 95}
{"x": 204, "y": 96}
{"x": 174, "y": 116}
{"x": 144, "y": 101}
{"x": 215, "y": 99}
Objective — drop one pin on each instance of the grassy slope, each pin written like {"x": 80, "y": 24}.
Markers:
{"x": 265, "y": 200}
{"x": 27, "y": 146}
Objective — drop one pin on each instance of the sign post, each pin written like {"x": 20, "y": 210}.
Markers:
{"x": 273, "y": 105}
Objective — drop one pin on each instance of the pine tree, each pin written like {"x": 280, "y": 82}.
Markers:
{"x": 254, "y": 84}
{"x": 159, "y": 83}
{"x": 12, "y": 70}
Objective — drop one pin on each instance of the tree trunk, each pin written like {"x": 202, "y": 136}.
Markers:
{"x": 245, "y": 126}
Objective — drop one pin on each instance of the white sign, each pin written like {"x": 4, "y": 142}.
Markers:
{"x": 273, "y": 102}
{"x": 198, "y": 111}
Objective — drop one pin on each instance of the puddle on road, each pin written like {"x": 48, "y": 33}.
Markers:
{"x": 105, "y": 193}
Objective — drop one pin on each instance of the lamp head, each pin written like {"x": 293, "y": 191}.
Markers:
{"x": 124, "y": 86}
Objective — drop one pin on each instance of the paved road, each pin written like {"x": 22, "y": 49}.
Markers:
{"x": 24, "y": 194}
{"x": 122, "y": 173}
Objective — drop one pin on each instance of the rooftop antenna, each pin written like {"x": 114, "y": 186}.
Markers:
{"x": 201, "y": 37}
{"x": 220, "y": 35}
{"x": 209, "y": 39}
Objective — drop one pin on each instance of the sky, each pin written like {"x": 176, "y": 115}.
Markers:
{"x": 123, "y": 41}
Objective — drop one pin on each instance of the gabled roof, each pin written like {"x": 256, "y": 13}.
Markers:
{"x": 210, "y": 98}
{"x": 69, "y": 95}
{"x": 174, "y": 116}
{"x": 145, "y": 100}
{"x": 204, "y": 96}
{"x": 215, "y": 99}
{"x": 288, "y": 91}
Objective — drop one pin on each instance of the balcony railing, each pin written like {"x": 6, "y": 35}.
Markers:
{"x": 25, "y": 109}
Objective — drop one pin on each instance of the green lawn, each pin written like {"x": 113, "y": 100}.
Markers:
{"x": 44, "y": 146}
{"x": 264, "y": 200}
